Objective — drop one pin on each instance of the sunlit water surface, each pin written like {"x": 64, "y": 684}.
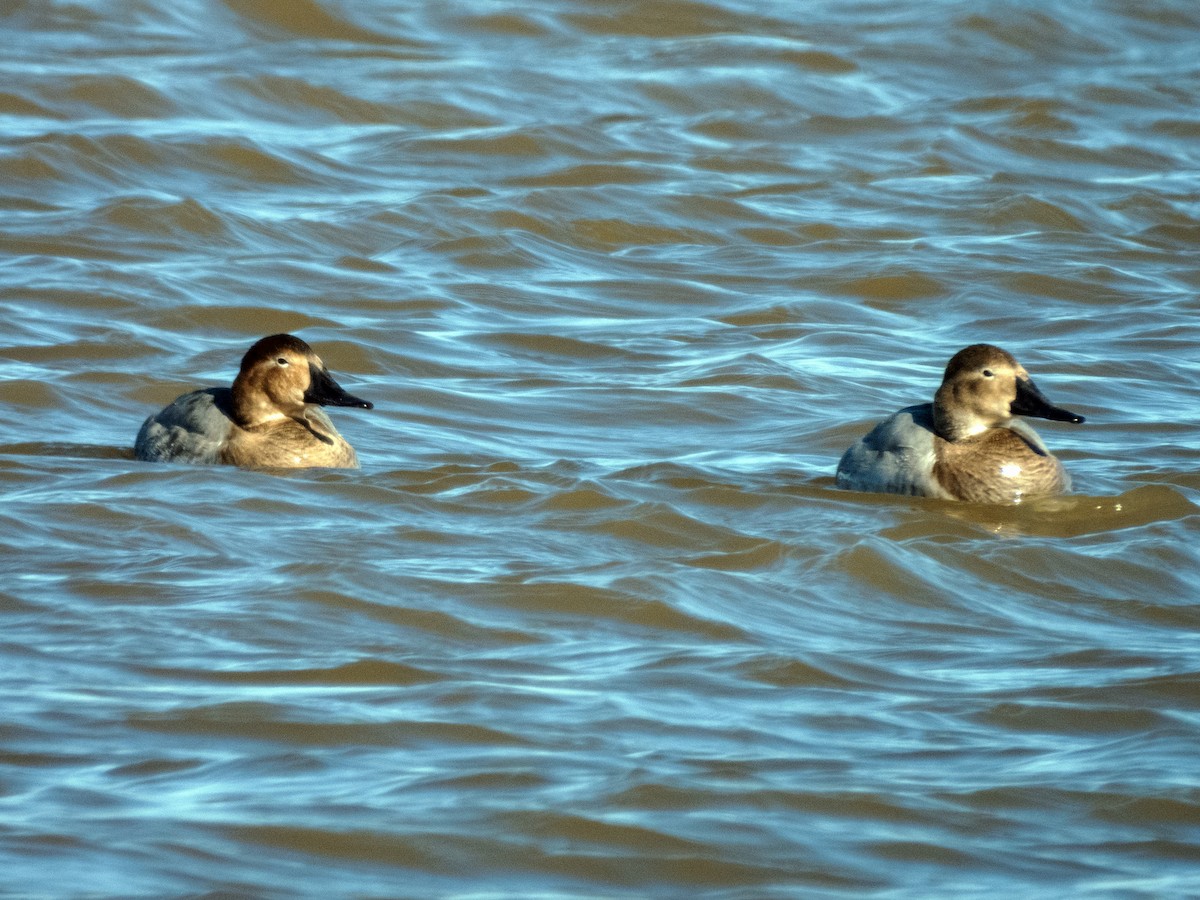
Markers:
{"x": 623, "y": 280}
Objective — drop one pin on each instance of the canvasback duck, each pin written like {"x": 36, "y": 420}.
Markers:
{"x": 965, "y": 445}
{"x": 271, "y": 417}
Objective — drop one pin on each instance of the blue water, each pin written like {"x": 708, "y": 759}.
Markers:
{"x": 623, "y": 281}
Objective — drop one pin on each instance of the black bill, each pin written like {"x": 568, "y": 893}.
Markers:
{"x": 324, "y": 391}
{"x": 1032, "y": 402}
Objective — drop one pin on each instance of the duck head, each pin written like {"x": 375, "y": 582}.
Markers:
{"x": 279, "y": 377}
{"x": 984, "y": 387}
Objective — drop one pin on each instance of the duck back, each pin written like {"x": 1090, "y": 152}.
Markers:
{"x": 896, "y": 457}
{"x": 193, "y": 429}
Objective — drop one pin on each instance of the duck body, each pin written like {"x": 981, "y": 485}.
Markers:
{"x": 270, "y": 417}
{"x": 903, "y": 454}
{"x": 967, "y": 444}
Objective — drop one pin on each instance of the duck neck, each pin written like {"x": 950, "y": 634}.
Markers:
{"x": 251, "y": 408}
{"x": 952, "y": 422}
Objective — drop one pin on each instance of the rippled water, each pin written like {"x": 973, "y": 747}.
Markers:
{"x": 623, "y": 280}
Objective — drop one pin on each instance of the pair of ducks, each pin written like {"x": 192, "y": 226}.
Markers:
{"x": 965, "y": 445}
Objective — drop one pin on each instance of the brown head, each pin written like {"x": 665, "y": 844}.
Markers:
{"x": 279, "y": 377}
{"x": 984, "y": 387}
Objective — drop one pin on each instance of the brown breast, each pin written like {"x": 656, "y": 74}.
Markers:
{"x": 998, "y": 466}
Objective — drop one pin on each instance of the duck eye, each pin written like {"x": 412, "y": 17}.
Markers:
{"x": 282, "y": 361}
{"x": 987, "y": 373}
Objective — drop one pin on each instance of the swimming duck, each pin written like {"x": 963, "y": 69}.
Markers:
{"x": 965, "y": 445}
{"x": 271, "y": 416}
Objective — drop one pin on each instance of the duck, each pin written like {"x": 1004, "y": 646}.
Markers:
{"x": 967, "y": 444}
{"x": 271, "y": 417}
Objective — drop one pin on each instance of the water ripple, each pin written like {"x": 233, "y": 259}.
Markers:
{"x": 623, "y": 280}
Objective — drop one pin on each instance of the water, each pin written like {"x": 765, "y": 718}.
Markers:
{"x": 623, "y": 280}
